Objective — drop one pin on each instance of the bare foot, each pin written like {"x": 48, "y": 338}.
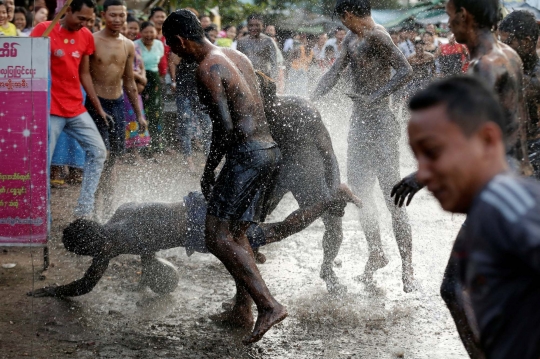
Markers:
{"x": 265, "y": 321}
{"x": 409, "y": 283}
{"x": 234, "y": 319}
{"x": 376, "y": 261}
{"x": 332, "y": 282}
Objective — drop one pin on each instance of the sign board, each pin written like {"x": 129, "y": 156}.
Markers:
{"x": 24, "y": 121}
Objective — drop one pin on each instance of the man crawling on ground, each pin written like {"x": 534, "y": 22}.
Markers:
{"x": 146, "y": 228}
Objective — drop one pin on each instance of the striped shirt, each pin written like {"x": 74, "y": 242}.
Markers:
{"x": 500, "y": 266}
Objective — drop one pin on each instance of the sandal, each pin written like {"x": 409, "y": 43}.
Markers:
{"x": 59, "y": 184}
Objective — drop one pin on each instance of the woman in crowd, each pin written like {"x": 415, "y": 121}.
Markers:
{"x": 134, "y": 139}
{"x": 230, "y": 35}
{"x": 6, "y": 28}
{"x": 429, "y": 41}
{"x": 41, "y": 14}
{"x": 152, "y": 51}
{"x": 20, "y": 20}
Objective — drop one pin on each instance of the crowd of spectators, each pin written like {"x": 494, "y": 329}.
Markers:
{"x": 294, "y": 61}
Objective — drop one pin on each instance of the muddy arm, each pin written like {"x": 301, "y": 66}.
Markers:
{"x": 331, "y": 77}
{"x": 78, "y": 287}
{"x": 398, "y": 62}
{"x": 214, "y": 83}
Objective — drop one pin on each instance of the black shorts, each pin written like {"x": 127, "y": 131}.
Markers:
{"x": 245, "y": 185}
{"x": 115, "y": 135}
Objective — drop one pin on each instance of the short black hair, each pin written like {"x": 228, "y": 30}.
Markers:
{"x": 20, "y": 10}
{"x": 486, "y": 13}
{"x": 521, "y": 24}
{"x": 419, "y": 42}
{"x": 185, "y": 24}
{"x": 156, "y": 9}
{"x": 131, "y": 18}
{"x": 258, "y": 17}
{"x": 212, "y": 27}
{"x": 361, "y": 8}
{"x": 77, "y": 5}
{"x": 146, "y": 24}
{"x": 108, "y": 3}
{"x": 84, "y": 237}
{"x": 469, "y": 102}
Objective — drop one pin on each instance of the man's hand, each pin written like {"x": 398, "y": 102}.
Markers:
{"x": 407, "y": 187}
{"x": 109, "y": 120}
{"x": 43, "y": 292}
{"x": 208, "y": 181}
{"x": 143, "y": 125}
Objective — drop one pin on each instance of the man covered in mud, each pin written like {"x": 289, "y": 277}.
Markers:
{"x": 309, "y": 168}
{"x": 144, "y": 229}
{"x": 473, "y": 22}
{"x": 259, "y": 48}
{"x": 457, "y": 132}
{"x": 111, "y": 67}
{"x": 374, "y": 132}
{"x": 519, "y": 30}
{"x": 228, "y": 87}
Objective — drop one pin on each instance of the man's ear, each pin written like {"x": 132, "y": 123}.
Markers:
{"x": 181, "y": 41}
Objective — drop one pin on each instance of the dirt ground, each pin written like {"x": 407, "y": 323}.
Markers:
{"x": 120, "y": 320}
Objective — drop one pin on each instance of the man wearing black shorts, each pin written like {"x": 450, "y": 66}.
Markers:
{"x": 228, "y": 87}
{"x": 457, "y": 133}
{"x": 111, "y": 67}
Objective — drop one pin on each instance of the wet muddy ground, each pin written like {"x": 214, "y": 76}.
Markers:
{"x": 121, "y": 320}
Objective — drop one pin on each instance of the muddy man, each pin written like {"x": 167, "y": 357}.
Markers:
{"x": 228, "y": 87}
{"x": 373, "y": 152}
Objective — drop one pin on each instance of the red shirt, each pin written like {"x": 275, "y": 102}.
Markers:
{"x": 67, "y": 50}
{"x": 448, "y": 49}
{"x": 163, "y": 65}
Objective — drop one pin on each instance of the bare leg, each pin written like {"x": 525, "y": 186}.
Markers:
{"x": 332, "y": 239}
{"x": 453, "y": 296}
{"x": 228, "y": 242}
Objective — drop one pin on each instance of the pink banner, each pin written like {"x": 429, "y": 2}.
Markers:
{"x": 24, "y": 205}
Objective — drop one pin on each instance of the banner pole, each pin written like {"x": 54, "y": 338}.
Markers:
{"x": 57, "y": 18}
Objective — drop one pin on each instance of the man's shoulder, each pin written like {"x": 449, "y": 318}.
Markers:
{"x": 508, "y": 198}
{"x": 40, "y": 28}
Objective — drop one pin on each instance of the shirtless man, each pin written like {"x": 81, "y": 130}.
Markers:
{"x": 423, "y": 65}
{"x": 472, "y": 22}
{"x": 259, "y": 48}
{"x": 144, "y": 229}
{"x": 228, "y": 87}
{"x": 111, "y": 67}
{"x": 374, "y": 132}
{"x": 520, "y": 31}
{"x": 309, "y": 168}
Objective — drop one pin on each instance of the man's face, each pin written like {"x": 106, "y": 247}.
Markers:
{"x": 456, "y": 22}
{"x": 77, "y": 20}
{"x": 431, "y": 28}
{"x": 523, "y": 47}
{"x": 322, "y": 40}
{"x": 270, "y": 31}
{"x": 133, "y": 30}
{"x": 448, "y": 161}
{"x": 255, "y": 27}
{"x": 205, "y": 22}
{"x": 158, "y": 19}
{"x": 115, "y": 17}
{"x": 10, "y": 4}
{"x": 90, "y": 23}
{"x": 178, "y": 47}
{"x": 19, "y": 20}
